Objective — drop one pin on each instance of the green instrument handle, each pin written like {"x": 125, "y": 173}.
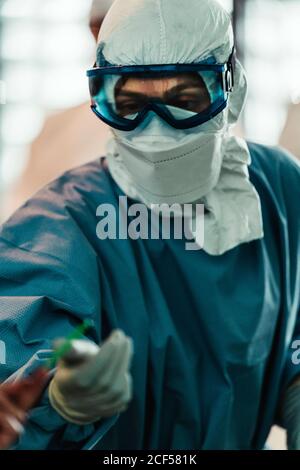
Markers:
{"x": 67, "y": 344}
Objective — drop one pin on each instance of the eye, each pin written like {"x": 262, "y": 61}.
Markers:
{"x": 188, "y": 104}
{"x": 125, "y": 108}
{"x": 191, "y": 102}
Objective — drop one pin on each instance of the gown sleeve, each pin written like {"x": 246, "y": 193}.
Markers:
{"x": 290, "y": 187}
{"x": 49, "y": 283}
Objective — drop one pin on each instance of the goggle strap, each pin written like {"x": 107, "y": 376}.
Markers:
{"x": 229, "y": 74}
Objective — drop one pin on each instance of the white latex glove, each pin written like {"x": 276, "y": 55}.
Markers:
{"x": 99, "y": 386}
{"x": 291, "y": 415}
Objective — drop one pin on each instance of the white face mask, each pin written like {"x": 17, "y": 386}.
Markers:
{"x": 168, "y": 165}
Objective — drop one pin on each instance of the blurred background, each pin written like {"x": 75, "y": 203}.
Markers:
{"x": 46, "y": 46}
{"x": 46, "y": 126}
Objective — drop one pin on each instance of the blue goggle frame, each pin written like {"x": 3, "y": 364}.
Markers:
{"x": 225, "y": 71}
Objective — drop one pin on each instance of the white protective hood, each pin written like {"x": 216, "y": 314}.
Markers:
{"x": 99, "y": 8}
{"x": 141, "y": 32}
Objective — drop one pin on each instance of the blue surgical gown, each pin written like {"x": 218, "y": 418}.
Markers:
{"x": 212, "y": 335}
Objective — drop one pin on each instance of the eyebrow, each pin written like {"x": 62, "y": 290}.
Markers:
{"x": 129, "y": 94}
{"x": 183, "y": 87}
{"x": 173, "y": 90}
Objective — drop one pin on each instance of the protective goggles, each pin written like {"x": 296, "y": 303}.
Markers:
{"x": 123, "y": 96}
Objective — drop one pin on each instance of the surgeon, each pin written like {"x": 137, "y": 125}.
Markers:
{"x": 198, "y": 348}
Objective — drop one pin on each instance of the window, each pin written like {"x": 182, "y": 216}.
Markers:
{"x": 45, "y": 49}
{"x": 272, "y": 61}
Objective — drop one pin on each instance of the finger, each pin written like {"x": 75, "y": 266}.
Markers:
{"x": 123, "y": 392}
{"x": 39, "y": 376}
{"x": 37, "y": 382}
{"x": 15, "y": 425}
{"x": 96, "y": 404}
{"x": 8, "y": 431}
{"x": 78, "y": 379}
{"x": 98, "y": 401}
{"x": 82, "y": 377}
{"x": 25, "y": 393}
{"x": 123, "y": 364}
{"x": 81, "y": 351}
{"x": 109, "y": 354}
{"x": 6, "y": 406}
{"x": 72, "y": 372}
{"x": 112, "y": 378}
{"x": 117, "y": 368}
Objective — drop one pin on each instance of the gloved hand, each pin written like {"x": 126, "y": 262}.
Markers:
{"x": 291, "y": 415}
{"x": 98, "y": 387}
